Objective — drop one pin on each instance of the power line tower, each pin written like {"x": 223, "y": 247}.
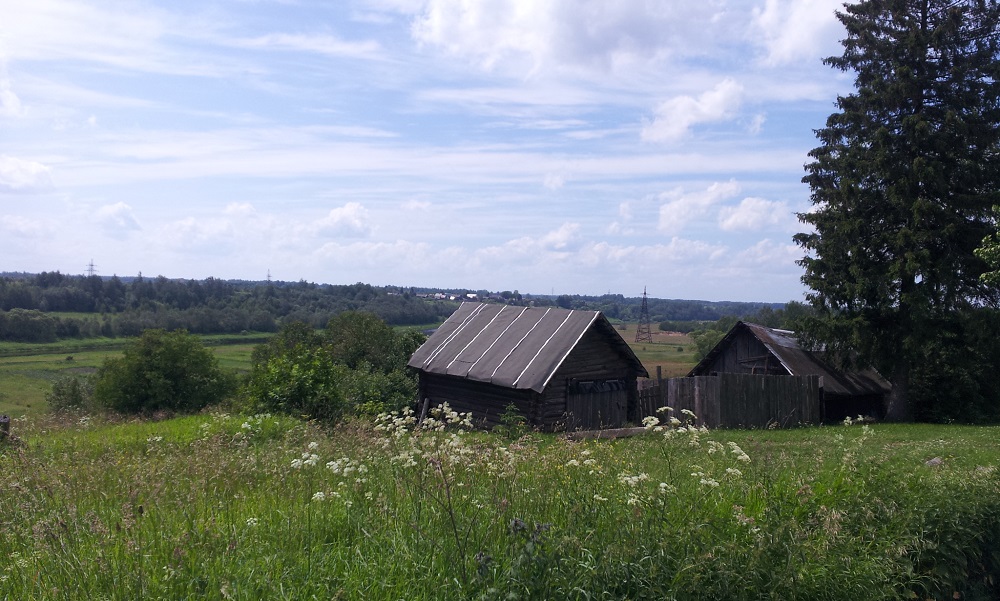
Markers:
{"x": 91, "y": 269}
{"x": 642, "y": 333}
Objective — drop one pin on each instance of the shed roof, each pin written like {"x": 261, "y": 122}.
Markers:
{"x": 513, "y": 347}
{"x": 800, "y": 362}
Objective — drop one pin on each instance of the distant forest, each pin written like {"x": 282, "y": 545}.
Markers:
{"x": 49, "y": 306}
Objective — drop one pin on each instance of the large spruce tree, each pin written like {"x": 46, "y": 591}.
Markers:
{"x": 903, "y": 183}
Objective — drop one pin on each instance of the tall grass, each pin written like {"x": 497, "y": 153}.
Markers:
{"x": 231, "y": 507}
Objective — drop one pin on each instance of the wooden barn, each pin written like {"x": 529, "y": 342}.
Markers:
{"x": 754, "y": 349}
{"x": 562, "y": 369}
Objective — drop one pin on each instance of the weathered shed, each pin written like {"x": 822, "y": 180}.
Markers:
{"x": 560, "y": 368}
{"x": 749, "y": 348}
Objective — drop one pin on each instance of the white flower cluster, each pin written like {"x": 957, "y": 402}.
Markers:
{"x": 306, "y": 460}
{"x": 347, "y": 467}
{"x": 632, "y": 481}
{"x": 674, "y": 426}
{"x": 738, "y": 452}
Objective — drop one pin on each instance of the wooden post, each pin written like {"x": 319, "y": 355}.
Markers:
{"x": 698, "y": 407}
{"x": 4, "y": 427}
{"x": 661, "y": 394}
{"x": 423, "y": 411}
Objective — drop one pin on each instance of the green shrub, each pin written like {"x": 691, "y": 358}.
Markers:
{"x": 301, "y": 381}
{"x": 357, "y": 365}
{"x": 161, "y": 371}
{"x": 71, "y": 393}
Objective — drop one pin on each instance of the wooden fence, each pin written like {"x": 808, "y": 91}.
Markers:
{"x": 737, "y": 400}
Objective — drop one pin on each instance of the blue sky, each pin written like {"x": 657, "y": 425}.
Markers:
{"x": 566, "y": 146}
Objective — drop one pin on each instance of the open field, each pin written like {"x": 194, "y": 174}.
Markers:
{"x": 235, "y": 507}
{"x": 673, "y": 352}
{"x": 27, "y": 371}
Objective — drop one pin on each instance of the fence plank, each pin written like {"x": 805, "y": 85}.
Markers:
{"x": 738, "y": 400}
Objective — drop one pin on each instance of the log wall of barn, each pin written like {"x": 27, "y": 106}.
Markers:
{"x": 486, "y": 402}
{"x": 593, "y": 358}
{"x": 745, "y": 353}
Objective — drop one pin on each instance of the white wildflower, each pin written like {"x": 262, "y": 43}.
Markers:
{"x": 319, "y": 496}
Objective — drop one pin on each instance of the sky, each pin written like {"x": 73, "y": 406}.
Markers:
{"x": 556, "y": 146}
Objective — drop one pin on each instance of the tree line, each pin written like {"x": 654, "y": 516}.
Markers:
{"x": 33, "y": 307}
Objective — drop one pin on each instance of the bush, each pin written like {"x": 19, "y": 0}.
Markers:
{"x": 357, "y": 365}
{"x": 162, "y": 371}
{"x": 70, "y": 394}
{"x": 301, "y": 381}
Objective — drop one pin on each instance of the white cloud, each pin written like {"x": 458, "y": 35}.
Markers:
{"x": 349, "y": 221}
{"x": 790, "y": 30}
{"x": 124, "y": 35}
{"x": 20, "y": 175}
{"x": 562, "y": 238}
{"x": 392, "y": 259}
{"x": 755, "y": 214}
{"x": 324, "y": 44}
{"x": 117, "y": 220}
{"x": 678, "y": 254}
{"x": 768, "y": 255}
{"x": 675, "y": 117}
{"x": 681, "y": 207}
{"x": 240, "y": 209}
{"x": 22, "y": 227}
{"x": 416, "y": 205}
{"x": 554, "y": 181}
{"x": 530, "y": 37}
{"x": 620, "y": 226}
{"x": 10, "y": 104}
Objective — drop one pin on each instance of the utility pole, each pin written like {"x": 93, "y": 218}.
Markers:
{"x": 642, "y": 333}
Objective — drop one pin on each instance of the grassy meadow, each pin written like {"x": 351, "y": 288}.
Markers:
{"x": 27, "y": 371}
{"x": 220, "y": 506}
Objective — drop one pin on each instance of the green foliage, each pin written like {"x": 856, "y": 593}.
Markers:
{"x": 115, "y": 307}
{"x": 357, "y": 365}
{"x": 161, "y": 371}
{"x": 513, "y": 423}
{"x": 705, "y": 341}
{"x": 684, "y": 327}
{"x": 265, "y": 506}
{"x": 989, "y": 251}
{"x": 71, "y": 393}
{"x": 903, "y": 184}
{"x": 355, "y": 337}
{"x": 27, "y": 325}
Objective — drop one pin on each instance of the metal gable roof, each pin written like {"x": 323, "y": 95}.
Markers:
{"x": 514, "y": 347}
